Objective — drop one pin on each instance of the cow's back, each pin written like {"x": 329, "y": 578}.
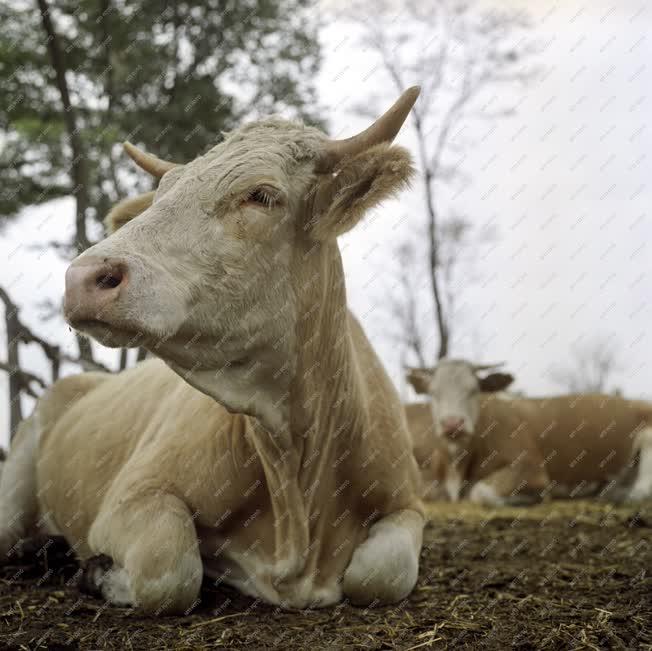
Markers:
{"x": 584, "y": 437}
{"x": 503, "y": 436}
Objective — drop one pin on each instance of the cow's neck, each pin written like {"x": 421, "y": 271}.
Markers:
{"x": 294, "y": 373}
{"x": 324, "y": 393}
{"x": 321, "y": 410}
{"x": 319, "y": 404}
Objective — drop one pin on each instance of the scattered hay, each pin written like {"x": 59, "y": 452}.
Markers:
{"x": 563, "y": 575}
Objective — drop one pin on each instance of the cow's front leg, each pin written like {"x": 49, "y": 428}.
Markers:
{"x": 510, "y": 486}
{"x": 384, "y": 568}
{"x": 146, "y": 554}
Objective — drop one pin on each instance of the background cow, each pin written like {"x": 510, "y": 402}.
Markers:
{"x": 517, "y": 450}
{"x": 429, "y": 450}
{"x": 258, "y": 452}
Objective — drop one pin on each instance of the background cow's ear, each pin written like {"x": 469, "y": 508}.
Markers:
{"x": 126, "y": 210}
{"x": 419, "y": 378}
{"x": 495, "y": 382}
{"x": 359, "y": 184}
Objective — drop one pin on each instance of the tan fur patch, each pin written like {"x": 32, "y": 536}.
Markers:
{"x": 126, "y": 210}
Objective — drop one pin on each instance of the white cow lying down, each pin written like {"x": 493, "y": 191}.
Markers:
{"x": 268, "y": 449}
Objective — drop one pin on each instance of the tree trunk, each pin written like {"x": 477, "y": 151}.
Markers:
{"x": 433, "y": 236}
{"x": 433, "y": 265}
{"x": 13, "y": 361}
{"x": 55, "y": 363}
{"x": 123, "y": 359}
{"x": 79, "y": 168}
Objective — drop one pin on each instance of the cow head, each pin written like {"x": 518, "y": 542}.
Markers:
{"x": 208, "y": 271}
{"x": 455, "y": 388}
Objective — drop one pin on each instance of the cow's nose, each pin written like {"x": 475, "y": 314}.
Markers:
{"x": 452, "y": 424}
{"x": 92, "y": 286}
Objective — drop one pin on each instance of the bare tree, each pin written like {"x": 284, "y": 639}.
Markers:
{"x": 455, "y": 51}
{"x": 590, "y": 367}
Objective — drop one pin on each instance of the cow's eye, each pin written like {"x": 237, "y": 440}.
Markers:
{"x": 263, "y": 196}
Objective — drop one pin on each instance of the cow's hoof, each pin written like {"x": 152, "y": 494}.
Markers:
{"x": 484, "y": 494}
{"x": 93, "y": 571}
{"x": 383, "y": 569}
{"x": 11, "y": 550}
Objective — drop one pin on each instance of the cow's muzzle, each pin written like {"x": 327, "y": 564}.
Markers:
{"x": 93, "y": 285}
{"x": 453, "y": 428}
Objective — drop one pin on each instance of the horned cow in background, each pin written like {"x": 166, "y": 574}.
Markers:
{"x": 516, "y": 451}
{"x": 266, "y": 447}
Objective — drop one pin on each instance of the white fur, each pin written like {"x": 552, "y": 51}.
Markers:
{"x": 642, "y": 487}
{"x": 453, "y": 484}
{"x": 384, "y": 567}
{"x": 164, "y": 576}
{"x": 170, "y": 590}
{"x": 18, "y": 505}
{"x": 484, "y": 493}
{"x": 115, "y": 585}
{"x": 452, "y": 394}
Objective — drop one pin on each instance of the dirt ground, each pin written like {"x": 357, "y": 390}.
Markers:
{"x": 558, "y": 576}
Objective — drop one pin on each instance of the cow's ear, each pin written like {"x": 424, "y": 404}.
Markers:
{"x": 419, "y": 378}
{"x": 495, "y": 382}
{"x": 126, "y": 210}
{"x": 340, "y": 200}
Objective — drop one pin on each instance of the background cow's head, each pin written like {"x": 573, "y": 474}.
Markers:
{"x": 208, "y": 271}
{"x": 455, "y": 388}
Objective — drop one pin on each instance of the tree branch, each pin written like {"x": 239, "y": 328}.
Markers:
{"x": 23, "y": 334}
{"x": 24, "y": 378}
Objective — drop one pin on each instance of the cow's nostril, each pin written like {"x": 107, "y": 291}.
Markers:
{"x": 109, "y": 279}
{"x": 452, "y": 424}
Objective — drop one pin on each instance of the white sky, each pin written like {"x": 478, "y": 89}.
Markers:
{"x": 565, "y": 182}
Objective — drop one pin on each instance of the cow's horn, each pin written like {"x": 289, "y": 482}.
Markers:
{"x": 150, "y": 163}
{"x": 384, "y": 129}
{"x": 486, "y": 367}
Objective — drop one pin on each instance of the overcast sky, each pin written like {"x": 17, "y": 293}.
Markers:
{"x": 565, "y": 183}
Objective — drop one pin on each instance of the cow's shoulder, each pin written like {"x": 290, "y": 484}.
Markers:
{"x": 62, "y": 397}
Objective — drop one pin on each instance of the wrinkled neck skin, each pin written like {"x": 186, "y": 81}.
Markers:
{"x": 294, "y": 365}
{"x": 255, "y": 384}
{"x": 324, "y": 389}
